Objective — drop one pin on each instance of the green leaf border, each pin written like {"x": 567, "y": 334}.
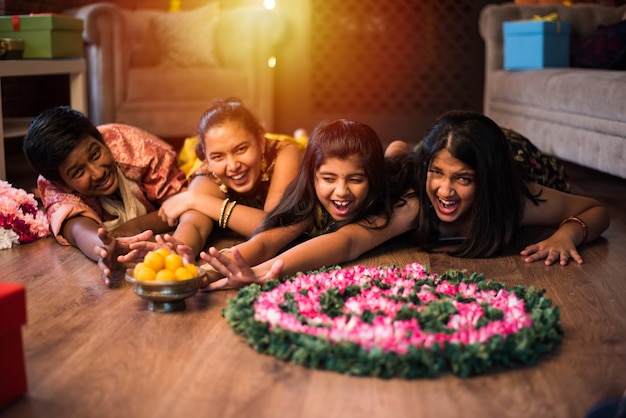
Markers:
{"x": 522, "y": 348}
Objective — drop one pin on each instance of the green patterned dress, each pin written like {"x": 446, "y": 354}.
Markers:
{"x": 545, "y": 170}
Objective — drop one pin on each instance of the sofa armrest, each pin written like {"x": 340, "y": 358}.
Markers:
{"x": 103, "y": 32}
{"x": 90, "y": 14}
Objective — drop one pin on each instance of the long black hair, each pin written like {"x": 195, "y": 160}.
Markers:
{"x": 334, "y": 139}
{"x": 500, "y": 190}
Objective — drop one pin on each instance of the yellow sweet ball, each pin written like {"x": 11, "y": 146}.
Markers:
{"x": 163, "y": 251}
{"x": 143, "y": 272}
{"x": 165, "y": 276}
{"x": 163, "y": 265}
{"x": 154, "y": 260}
{"x": 173, "y": 262}
{"x": 183, "y": 273}
{"x": 193, "y": 269}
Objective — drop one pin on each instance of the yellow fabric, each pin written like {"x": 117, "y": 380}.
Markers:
{"x": 189, "y": 162}
{"x": 299, "y": 142}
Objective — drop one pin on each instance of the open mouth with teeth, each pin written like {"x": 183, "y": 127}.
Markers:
{"x": 342, "y": 207}
{"x": 447, "y": 206}
{"x": 239, "y": 179}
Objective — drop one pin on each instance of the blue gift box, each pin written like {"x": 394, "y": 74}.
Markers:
{"x": 535, "y": 44}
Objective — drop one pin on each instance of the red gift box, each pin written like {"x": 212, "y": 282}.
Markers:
{"x": 12, "y": 317}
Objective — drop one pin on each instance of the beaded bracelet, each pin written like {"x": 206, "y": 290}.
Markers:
{"x": 220, "y": 221}
{"x": 208, "y": 268}
{"x": 228, "y": 213}
{"x": 580, "y": 222}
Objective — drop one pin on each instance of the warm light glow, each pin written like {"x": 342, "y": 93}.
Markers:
{"x": 269, "y": 4}
{"x": 175, "y": 5}
{"x": 271, "y": 62}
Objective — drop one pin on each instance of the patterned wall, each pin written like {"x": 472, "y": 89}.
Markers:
{"x": 395, "y": 57}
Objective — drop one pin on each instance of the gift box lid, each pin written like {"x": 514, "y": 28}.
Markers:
{"x": 533, "y": 27}
{"x": 12, "y": 307}
{"x": 43, "y": 21}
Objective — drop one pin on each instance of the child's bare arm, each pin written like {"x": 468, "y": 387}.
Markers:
{"x": 345, "y": 244}
{"x": 82, "y": 233}
{"x": 150, "y": 221}
{"x": 577, "y": 220}
{"x": 337, "y": 247}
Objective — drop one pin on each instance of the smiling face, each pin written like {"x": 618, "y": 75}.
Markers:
{"x": 450, "y": 186}
{"x": 341, "y": 186}
{"x": 90, "y": 169}
{"x": 234, "y": 155}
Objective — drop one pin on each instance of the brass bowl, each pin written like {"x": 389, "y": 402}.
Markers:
{"x": 165, "y": 296}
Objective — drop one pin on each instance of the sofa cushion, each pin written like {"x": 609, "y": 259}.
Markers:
{"x": 186, "y": 39}
{"x": 155, "y": 84}
{"x": 575, "y": 91}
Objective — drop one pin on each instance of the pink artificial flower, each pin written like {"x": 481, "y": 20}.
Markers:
{"x": 19, "y": 214}
{"x": 384, "y": 331}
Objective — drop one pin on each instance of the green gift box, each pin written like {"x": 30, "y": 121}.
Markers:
{"x": 45, "y": 35}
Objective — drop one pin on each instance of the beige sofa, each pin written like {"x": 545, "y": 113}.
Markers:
{"x": 159, "y": 70}
{"x": 575, "y": 114}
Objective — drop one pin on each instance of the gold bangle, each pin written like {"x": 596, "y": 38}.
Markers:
{"x": 228, "y": 213}
{"x": 580, "y": 222}
{"x": 220, "y": 221}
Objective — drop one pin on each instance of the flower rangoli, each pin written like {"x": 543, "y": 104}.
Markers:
{"x": 396, "y": 322}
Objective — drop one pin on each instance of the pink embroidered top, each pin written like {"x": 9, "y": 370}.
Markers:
{"x": 141, "y": 157}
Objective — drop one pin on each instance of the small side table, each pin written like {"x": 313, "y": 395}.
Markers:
{"x": 75, "y": 67}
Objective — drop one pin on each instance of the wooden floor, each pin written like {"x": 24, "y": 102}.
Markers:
{"x": 97, "y": 352}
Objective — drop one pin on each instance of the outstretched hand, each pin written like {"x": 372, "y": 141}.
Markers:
{"x": 553, "y": 249}
{"x": 235, "y": 271}
{"x": 182, "y": 249}
{"x": 139, "y": 249}
{"x": 111, "y": 248}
